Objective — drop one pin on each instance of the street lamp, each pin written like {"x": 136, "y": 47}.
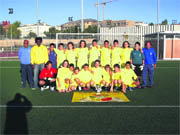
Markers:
{"x": 158, "y": 6}
{"x": 37, "y": 16}
{"x": 11, "y": 12}
{"x": 82, "y": 21}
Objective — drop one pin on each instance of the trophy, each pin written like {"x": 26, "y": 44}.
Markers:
{"x": 98, "y": 89}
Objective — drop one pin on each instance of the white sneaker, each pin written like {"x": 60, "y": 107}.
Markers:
{"x": 52, "y": 88}
{"x": 80, "y": 88}
{"x": 42, "y": 89}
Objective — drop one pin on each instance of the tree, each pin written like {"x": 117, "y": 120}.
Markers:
{"x": 165, "y": 22}
{"x": 91, "y": 29}
{"x": 32, "y": 35}
{"x": 151, "y": 24}
{"x": 15, "y": 32}
{"x": 51, "y": 33}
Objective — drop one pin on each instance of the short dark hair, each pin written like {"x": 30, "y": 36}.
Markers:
{"x": 97, "y": 61}
{"x": 38, "y": 38}
{"x": 138, "y": 43}
{"x": 60, "y": 44}
{"x": 94, "y": 40}
{"x": 115, "y": 41}
{"x": 148, "y": 42}
{"x": 106, "y": 41}
{"x": 71, "y": 44}
{"x": 123, "y": 45}
{"x": 116, "y": 65}
{"x": 49, "y": 62}
{"x": 52, "y": 44}
{"x": 85, "y": 65}
{"x": 81, "y": 42}
{"x": 128, "y": 62}
{"x": 76, "y": 68}
{"x": 71, "y": 65}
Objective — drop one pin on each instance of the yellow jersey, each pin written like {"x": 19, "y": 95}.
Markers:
{"x": 82, "y": 56}
{"x": 106, "y": 76}
{"x": 39, "y": 54}
{"x": 71, "y": 56}
{"x": 94, "y": 53}
{"x": 105, "y": 56}
{"x": 60, "y": 56}
{"x": 116, "y": 75}
{"x": 73, "y": 78}
{"x": 128, "y": 76}
{"x": 116, "y": 56}
{"x": 85, "y": 76}
{"x": 97, "y": 74}
{"x": 125, "y": 55}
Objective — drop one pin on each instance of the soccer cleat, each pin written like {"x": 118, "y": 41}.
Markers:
{"x": 133, "y": 66}
{"x": 52, "y": 88}
{"x": 42, "y": 89}
{"x": 33, "y": 88}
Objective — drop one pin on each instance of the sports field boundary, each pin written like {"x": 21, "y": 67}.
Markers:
{"x": 94, "y": 106}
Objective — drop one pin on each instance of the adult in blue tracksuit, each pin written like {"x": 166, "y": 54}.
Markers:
{"x": 149, "y": 64}
{"x": 53, "y": 55}
{"x": 24, "y": 54}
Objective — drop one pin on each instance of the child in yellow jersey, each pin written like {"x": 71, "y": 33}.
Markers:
{"x": 107, "y": 77}
{"x": 94, "y": 53}
{"x": 116, "y": 53}
{"x": 61, "y": 76}
{"x": 125, "y": 53}
{"x": 60, "y": 54}
{"x": 82, "y": 54}
{"x": 68, "y": 80}
{"x": 129, "y": 78}
{"x": 85, "y": 77}
{"x": 105, "y": 54}
{"x": 97, "y": 72}
{"x": 71, "y": 53}
{"x": 75, "y": 79}
{"x": 116, "y": 78}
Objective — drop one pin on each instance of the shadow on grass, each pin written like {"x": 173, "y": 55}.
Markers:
{"x": 16, "y": 120}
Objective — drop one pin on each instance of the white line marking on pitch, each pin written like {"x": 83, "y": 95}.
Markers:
{"x": 20, "y": 67}
{"x": 94, "y": 106}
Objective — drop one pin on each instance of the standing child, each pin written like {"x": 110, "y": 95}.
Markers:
{"x": 60, "y": 54}
{"x": 82, "y": 54}
{"x": 116, "y": 52}
{"x": 125, "y": 53}
{"x": 105, "y": 54}
{"x": 116, "y": 78}
{"x": 71, "y": 53}
{"x": 53, "y": 55}
{"x": 94, "y": 53}
{"x": 129, "y": 78}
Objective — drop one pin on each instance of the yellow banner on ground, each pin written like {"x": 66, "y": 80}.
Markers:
{"x": 103, "y": 97}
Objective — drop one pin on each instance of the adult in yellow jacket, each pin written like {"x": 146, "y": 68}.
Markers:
{"x": 105, "y": 54}
{"x": 39, "y": 56}
{"x": 116, "y": 53}
{"x": 125, "y": 53}
{"x": 94, "y": 53}
{"x": 82, "y": 54}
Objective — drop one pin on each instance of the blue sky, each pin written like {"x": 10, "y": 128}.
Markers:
{"x": 56, "y": 12}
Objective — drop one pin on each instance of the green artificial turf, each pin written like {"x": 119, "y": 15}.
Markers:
{"x": 150, "y": 111}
